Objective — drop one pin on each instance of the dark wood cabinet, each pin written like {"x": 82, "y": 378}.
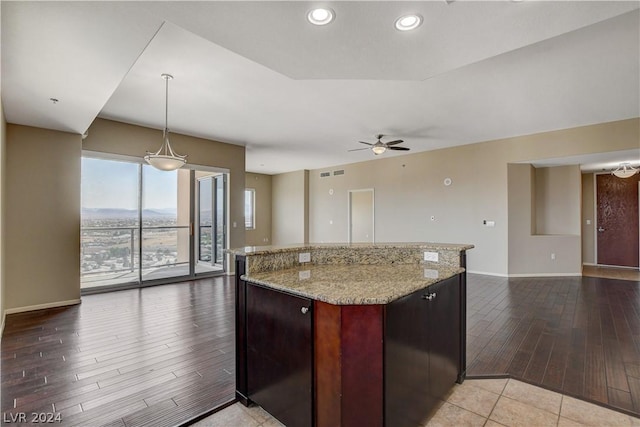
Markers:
{"x": 422, "y": 351}
{"x": 279, "y": 328}
{"x": 312, "y": 363}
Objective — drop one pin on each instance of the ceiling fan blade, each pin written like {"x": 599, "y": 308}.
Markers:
{"x": 358, "y": 149}
{"x": 397, "y": 141}
{"x": 367, "y": 143}
{"x": 399, "y": 148}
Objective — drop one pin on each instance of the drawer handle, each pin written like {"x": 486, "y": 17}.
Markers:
{"x": 304, "y": 310}
{"x": 429, "y": 296}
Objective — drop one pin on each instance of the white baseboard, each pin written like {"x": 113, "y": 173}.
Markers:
{"x": 484, "y": 273}
{"x": 41, "y": 306}
{"x": 546, "y": 275}
{"x": 590, "y": 264}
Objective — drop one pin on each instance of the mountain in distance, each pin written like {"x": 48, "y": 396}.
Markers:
{"x": 113, "y": 213}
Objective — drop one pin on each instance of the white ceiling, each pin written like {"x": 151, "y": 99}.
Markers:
{"x": 299, "y": 96}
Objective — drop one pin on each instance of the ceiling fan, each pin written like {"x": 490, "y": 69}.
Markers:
{"x": 380, "y": 147}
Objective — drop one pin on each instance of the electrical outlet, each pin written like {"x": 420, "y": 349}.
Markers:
{"x": 431, "y": 256}
{"x": 303, "y": 275}
{"x": 430, "y": 273}
{"x": 304, "y": 257}
{"x": 553, "y": 256}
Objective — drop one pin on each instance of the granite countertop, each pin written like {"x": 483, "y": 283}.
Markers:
{"x": 261, "y": 250}
{"x": 353, "y": 284}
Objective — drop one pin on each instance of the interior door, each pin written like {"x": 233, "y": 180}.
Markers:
{"x": 361, "y": 216}
{"x": 617, "y": 224}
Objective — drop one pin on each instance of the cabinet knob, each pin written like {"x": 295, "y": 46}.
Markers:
{"x": 304, "y": 310}
{"x": 429, "y": 296}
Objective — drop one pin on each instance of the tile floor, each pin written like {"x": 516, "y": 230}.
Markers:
{"x": 482, "y": 402}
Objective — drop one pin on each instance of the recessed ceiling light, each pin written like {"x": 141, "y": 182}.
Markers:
{"x": 408, "y": 22}
{"x": 320, "y": 16}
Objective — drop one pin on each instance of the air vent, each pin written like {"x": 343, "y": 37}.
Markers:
{"x": 340, "y": 172}
{"x": 325, "y": 174}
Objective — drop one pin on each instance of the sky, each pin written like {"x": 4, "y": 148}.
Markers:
{"x": 114, "y": 184}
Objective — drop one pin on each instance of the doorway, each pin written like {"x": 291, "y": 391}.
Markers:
{"x": 617, "y": 221}
{"x": 361, "y": 216}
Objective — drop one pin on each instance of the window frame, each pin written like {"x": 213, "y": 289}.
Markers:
{"x": 252, "y": 224}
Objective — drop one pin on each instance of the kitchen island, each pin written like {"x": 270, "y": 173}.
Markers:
{"x": 350, "y": 335}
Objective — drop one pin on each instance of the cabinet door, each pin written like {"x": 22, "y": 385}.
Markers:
{"x": 444, "y": 336}
{"x": 279, "y": 354}
{"x": 406, "y": 362}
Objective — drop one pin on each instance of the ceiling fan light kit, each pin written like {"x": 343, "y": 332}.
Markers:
{"x": 165, "y": 158}
{"x": 378, "y": 149}
{"x": 625, "y": 170}
{"x": 381, "y": 147}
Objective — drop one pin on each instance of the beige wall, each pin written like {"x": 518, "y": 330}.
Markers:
{"x": 539, "y": 254}
{"x": 409, "y": 190}
{"x": 361, "y": 211}
{"x": 557, "y": 200}
{"x": 112, "y": 137}
{"x": 261, "y": 234}
{"x": 3, "y": 150}
{"x": 290, "y": 208}
{"x": 588, "y": 214}
{"x": 42, "y": 239}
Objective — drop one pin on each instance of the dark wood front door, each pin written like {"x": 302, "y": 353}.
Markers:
{"x": 617, "y": 225}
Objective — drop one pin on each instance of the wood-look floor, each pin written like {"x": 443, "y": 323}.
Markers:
{"x": 579, "y": 335}
{"x": 156, "y": 356}
{"x": 161, "y": 356}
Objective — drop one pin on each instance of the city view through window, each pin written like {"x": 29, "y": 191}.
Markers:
{"x": 135, "y": 223}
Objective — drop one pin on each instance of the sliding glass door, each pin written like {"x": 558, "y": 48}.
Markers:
{"x": 165, "y": 223}
{"x": 110, "y": 224}
{"x": 212, "y": 219}
{"x": 137, "y": 223}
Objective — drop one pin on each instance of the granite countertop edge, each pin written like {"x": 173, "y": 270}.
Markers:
{"x": 357, "y": 294}
{"x": 263, "y": 250}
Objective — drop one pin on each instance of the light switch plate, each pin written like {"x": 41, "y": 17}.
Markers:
{"x": 304, "y": 257}
{"x": 431, "y": 256}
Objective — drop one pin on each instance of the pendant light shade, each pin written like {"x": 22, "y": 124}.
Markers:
{"x": 165, "y": 158}
{"x": 625, "y": 170}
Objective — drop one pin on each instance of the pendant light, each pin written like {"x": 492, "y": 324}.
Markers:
{"x": 165, "y": 158}
{"x": 625, "y": 170}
